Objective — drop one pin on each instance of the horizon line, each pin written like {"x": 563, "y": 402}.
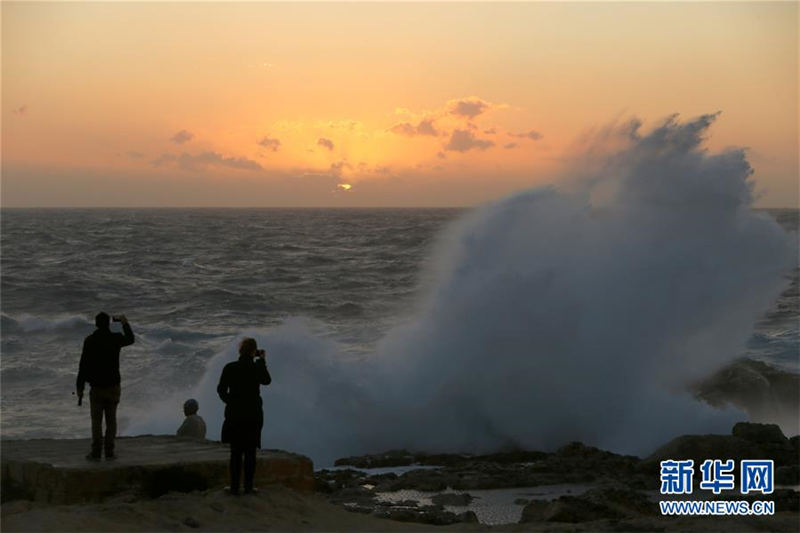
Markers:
{"x": 796, "y": 207}
{"x": 246, "y": 207}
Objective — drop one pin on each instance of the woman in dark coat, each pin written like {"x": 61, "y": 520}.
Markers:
{"x": 244, "y": 417}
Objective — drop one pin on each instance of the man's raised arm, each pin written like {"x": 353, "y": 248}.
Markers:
{"x": 262, "y": 374}
{"x": 127, "y": 332}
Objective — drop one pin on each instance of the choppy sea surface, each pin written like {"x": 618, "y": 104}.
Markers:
{"x": 191, "y": 280}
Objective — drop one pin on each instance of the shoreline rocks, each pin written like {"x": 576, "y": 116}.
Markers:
{"x": 624, "y": 484}
{"x": 767, "y": 394}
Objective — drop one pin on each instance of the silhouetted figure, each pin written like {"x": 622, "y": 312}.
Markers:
{"x": 99, "y": 367}
{"x": 193, "y": 427}
{"x": 244, "y": 417}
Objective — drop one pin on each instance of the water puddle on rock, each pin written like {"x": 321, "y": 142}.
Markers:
{"x": 491, "y": 506}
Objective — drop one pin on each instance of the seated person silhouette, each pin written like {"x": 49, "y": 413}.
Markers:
{"x": 193, "y": 427}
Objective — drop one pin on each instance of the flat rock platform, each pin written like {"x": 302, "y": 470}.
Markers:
{"x": 57, "y": 471}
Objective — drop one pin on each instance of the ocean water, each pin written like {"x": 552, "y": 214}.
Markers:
{"x": 192, "y": 280}
{"x": 189, "y": 281}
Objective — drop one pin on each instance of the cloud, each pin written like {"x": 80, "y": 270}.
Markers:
{"x": 21, "y": 110}
{"x": 135, "y": 155}
{"x": 490, "y": 131}
{"x": 533, "y": 135}
{"x": 339, "y": 166}
{"x": 193, "y": 162}
{"x": 510, "y": 146}
{"x": 346, "y": 124}
{"x": 325, "y": 143}
{"x": 424, "y": 127}
{"x": 465, "y": 140}
{"x": 182, "y": 136}
{"x": 270, "y": 144}
{"x": 441, "y": 155}
{"x": 164, "y": 159}
{"x": 468, "y": 107}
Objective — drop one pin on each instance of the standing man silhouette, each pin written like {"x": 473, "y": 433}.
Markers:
{"x": 99, "y": 367}
{"x": 239, "y": 387}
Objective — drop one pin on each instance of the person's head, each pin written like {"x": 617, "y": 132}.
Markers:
{"x": 190, "y": 407}
{"x": 102, "y": 320}
{"x": 248, "y": 346}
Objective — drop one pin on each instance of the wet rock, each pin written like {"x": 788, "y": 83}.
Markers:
{"x": 407, "y": 458}
{"x": 437, "y": 516}
{"x": 429, "y": 514}
{"x": 786, "y": 500}
{"x": 16, "y": 506}
{"x": 761, "y": 433}
{"x": 403, "y": 515}
{"x": 191, "y": 522}
{"x": 702, "y": 447}
{"x": 521, "y": 501}
{"x": 596, "y": 504}
{"x": 361, "y": 509}
{"x": 407, "y": 503}
{"x": 454, "y": 499}
{"x": 766, "y": 393}
{"x": 787, "y": 475}
{"x": 386, "y": 459}
{"x": 328, "y": 481}
{"x": 535, "y": 511}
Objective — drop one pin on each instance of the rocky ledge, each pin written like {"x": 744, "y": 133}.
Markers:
{"x": 56, "y": 470}
{"x": 767, "y": 394}
{"x": 624, "y": 487}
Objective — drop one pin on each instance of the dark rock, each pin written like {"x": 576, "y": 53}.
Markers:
{"x": 406, "y": 458}
{"x": 535, "y": 511}
{"x": 332, "y": 480}
{"x": 766, "y": 393}
{"x": 794, "y": 444}
{"x": 702, "y": 447}
{"x": 191, "y": 522}
{"x": 762, "y": 433}
{"x": 786, "y": 500}
{"x": 16, "y": 506}
{"x": 596, "y": 504}
{"x": 323, "y": 485}
{"x": 430, "y": 514}
{"x": 521, "y": 501}
{"x": 407, "y": 503}
{"x": 444, "y": 459}
{"x": 437, "y": 516}
{"x": 512, "y": 457}
{"x": 454, "y": 499}
{"x": 361, "y": 509}
{"x": 565, "y": 509}
{"x": 386, "y": 459}
{"x": 55, "y": 470}
{"x": 468, "y": 517}
{"x": 403, "y": 515}
{"x": 787, "y": 475}
{"x": 174, "y": 478}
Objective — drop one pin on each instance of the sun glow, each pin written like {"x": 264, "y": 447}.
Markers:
{"x": 446, "y": 104}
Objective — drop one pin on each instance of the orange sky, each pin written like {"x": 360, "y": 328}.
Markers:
{"x": 195, "y": 104}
